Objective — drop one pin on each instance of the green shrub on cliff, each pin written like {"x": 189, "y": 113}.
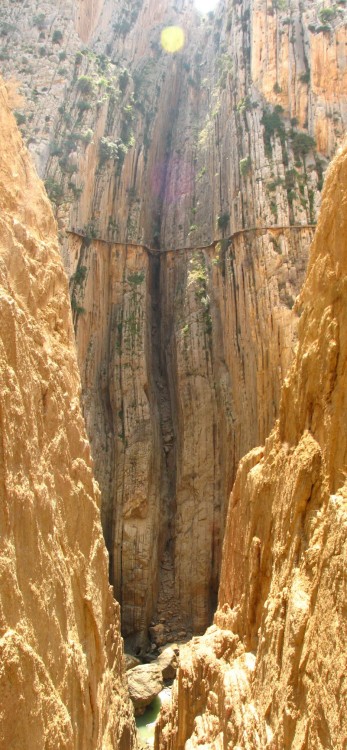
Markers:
{"x": 302, "y": 144}
{"x": 223, "y": 220}
{"x": 57, "y": 36}
{"x": 326, "y": 15}
{"x": 85, "y": 85}
{"x": 245, "y": 165}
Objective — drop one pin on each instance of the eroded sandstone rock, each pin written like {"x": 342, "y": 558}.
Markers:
{"x": 270, "y": 672}
{"x": 61, "y": 655}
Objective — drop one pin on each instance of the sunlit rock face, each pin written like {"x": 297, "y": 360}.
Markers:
{"x": 270, "y": 671}
{"x": 61, "y": 653}
{"x": 181, "y": 354}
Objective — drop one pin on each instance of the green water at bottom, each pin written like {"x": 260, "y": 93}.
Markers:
{"x": 146, "y": 723}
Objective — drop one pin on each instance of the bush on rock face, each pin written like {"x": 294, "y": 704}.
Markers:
{"x": 57, "y": 36}
{"x": 108, "y": 149}
{"x": 326, "y": 15}
{"x": 85, "y": 85}
{"x": 223, "y": 220}
{"x": 245, "y": 165}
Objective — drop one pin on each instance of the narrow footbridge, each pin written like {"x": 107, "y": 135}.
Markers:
{"x": 160, "y": 251}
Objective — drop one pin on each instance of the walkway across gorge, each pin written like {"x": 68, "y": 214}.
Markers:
{"x": 161, "y": 251}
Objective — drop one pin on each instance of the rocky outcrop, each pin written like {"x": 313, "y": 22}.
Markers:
{"x": 61, "y": 675}
{"x": 270, "y": 671}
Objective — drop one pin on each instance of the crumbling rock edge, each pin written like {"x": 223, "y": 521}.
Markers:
{"x": 61, "y": 678}
{"x": 270, "y": 672}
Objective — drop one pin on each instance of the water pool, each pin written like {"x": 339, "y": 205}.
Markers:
{"x": 146, "y": 723}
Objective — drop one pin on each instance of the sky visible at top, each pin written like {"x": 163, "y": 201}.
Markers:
{"x": 205, "y": 6}
{"x": 173, "y": 37}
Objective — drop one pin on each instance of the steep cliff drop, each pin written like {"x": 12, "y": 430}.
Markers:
{"x": 61, "y": 657}
{"x": 270, "y": 672}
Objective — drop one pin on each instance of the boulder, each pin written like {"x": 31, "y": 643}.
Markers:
{"x": 145, "y": 682}
{"x": 157, "y": 634}
{"x": 130, "y": 661}
{"x": 168, "y": 662}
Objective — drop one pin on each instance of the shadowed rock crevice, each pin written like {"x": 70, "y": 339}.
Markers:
{"x": 165, "y": 408}
{"x": 176, "y": 369}
{"x": 170, "y": 620}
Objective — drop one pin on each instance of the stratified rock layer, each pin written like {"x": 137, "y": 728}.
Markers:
{"x": 61, "y": 671}
{"x": 270, "y": 672}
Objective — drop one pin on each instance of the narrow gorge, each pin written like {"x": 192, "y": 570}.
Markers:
{"x": 184, "y": 153}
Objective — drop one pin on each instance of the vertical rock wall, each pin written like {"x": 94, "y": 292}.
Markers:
{"x": 61, "y": 677}
{"x": 181, "y": 359}
{"x": 270, "y": 672}
{"x": 208, "y": 149}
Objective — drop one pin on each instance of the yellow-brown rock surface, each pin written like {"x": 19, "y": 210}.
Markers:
{"x": 182, "y": 357}
{"x": 270, "y": 672}
{"x": 61, "y": 673}
{"x": 299, "y": 63}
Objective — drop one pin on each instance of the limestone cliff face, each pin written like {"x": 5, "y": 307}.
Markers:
{"x": 270, "y": 672}
{"x": 177, "y": 356}
{"x": 240, "y": 123}
{"x": 61, "y": 675}
{"x": 182, "y": 356}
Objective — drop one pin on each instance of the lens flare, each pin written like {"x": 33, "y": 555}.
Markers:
{"x": 172, "y": 39}
{"x": 205, "y": 6}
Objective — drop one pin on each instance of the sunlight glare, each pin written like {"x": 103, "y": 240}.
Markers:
{"x": 205, "y": 6}
{"x": 172, "y": 39}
